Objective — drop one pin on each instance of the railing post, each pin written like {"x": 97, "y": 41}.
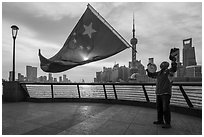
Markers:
{"x": 145, "y": 93}
{"x": 24, "y": 87}
{"x": 78, "y": 91}
{"x": 115, "y": 92}
{"x": 52, "y": 92}
{"x": 104, "y": 88}
{"x": 186, "y": 96}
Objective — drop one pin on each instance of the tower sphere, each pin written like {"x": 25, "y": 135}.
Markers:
{"x": 133, "y": 41}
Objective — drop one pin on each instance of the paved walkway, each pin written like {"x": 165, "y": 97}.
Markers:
{"x": 90, "y": 118}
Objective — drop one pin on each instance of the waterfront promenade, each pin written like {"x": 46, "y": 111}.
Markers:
{"x": 28, "y": 118}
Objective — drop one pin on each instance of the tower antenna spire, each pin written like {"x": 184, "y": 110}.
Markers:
{"x": 133, "y": 25}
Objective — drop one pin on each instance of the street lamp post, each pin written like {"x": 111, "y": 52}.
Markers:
{"x": 14, "y": 34}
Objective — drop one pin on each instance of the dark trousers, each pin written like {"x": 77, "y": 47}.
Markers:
{"x": 163, "y": 108}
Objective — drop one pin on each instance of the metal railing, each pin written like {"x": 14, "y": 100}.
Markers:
{"x": 183, "y": 94}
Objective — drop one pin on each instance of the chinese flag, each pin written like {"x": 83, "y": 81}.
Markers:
{"x": 91, "y": 39}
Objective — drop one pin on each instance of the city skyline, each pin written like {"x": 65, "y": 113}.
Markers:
{"x": 47, "y": 25}
{"x": 31, "y": 76}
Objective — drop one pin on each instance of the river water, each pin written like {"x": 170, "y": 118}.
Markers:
{"x": 124, "y": 92}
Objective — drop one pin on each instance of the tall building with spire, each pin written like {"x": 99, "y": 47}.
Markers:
{"x": 188, "y": 53}
{"x": 137, "y": 70}
{"x": 133, "y": 41}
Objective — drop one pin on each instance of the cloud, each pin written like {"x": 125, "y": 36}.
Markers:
{"x": 51, "y": 10}
{"x": 159, "y": 27}
{"x": 59, "y": 10}
{"x": 26, "y": 48}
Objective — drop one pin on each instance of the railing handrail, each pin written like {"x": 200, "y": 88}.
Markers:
{"x": 148, "y": 84}
{"x": 179, "y": 84}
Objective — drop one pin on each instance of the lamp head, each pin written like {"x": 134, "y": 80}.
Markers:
{"x": 14, "y": 30}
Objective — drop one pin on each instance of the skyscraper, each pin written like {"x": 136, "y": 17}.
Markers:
{"x": 188, "y": 53}
{"x": 20, "y": 77}
{"x": 31, "y": 73}
{"x": 194, "y": 71}
{"x": 60, "y": 79}
{"x": 64, "y": 78}
{"x": 40, "y": 79}
{"x": 50, "y": 78}
{"x": 45, "y": 78}
{"x": 98, "y": 76}
{"x": 133, "y": 42}
{"x": 10, "y": 75}
{"x": 55, "y": 80}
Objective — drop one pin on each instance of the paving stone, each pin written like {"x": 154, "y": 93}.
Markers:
{"x": 19, "y": 128}
{"x": 86, "y": 127}
{"x": 138, "y": 129}
{"x": 112, "y": 127}
{"x": 45, "y": 130}
{"x": 27, "y": 118}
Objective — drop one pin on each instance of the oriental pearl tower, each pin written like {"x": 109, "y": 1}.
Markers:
{"x": 133, "y": 42}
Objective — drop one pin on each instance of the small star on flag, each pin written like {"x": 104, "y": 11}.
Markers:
{"x": 88, "y": 30}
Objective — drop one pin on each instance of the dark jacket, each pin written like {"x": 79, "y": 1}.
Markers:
{"x": 164, "y": 83}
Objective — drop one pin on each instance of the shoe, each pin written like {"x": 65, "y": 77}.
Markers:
{"x": 158, "y": 122}
{"x": 166, "y": 126}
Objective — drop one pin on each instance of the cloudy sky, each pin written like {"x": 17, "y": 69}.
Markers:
{"x": 46, "y": 26}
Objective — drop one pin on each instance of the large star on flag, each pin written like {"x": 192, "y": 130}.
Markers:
{"x": 88, "y": 30}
